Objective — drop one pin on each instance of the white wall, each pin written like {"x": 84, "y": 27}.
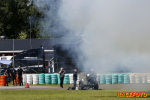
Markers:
{"x": 5, "y": 57}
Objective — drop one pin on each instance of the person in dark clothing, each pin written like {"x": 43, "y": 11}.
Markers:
{"x": 20, "y": 74}
{"x": 75, "y": 77}
{"x": 13, "y": 75}
{"x": 7, "y": 77}
{"x": 62, "y": 74}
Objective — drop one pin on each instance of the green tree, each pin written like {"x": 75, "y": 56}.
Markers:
{"x": 14, "y": 19}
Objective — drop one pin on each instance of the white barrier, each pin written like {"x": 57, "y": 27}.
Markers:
{"x": 35, "y": 79}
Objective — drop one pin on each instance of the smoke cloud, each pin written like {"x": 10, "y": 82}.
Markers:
{"x": 117, "y": 30}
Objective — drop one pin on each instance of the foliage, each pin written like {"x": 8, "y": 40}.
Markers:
{"x": 14, "y": 19}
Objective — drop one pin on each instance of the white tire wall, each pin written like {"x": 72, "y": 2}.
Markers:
{"x": 138, "y": 78}
{"x": 132, "y": 78}
{"x": 29, "y": 78}
{"x": 24, "y": 79}
{"x": 71, "y": 79}
{"x": 148, "y": 78}
{"x": 144, "y": 78}
{"x": 35, "y": 79}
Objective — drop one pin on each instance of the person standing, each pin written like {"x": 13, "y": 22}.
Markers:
{"x": 75, "y": 77}
{"x": 20, "y": 74}
{"x": 7, "y": 77}
{"x": 13, "y": 75}
{"x": 61, "y": 73}
{"x": 92, "y": 76}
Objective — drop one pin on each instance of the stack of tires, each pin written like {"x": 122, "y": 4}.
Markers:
{"x": 148, "y": 78}
{"x": 144, "y": 78}
{"x": 77, "y": 79}
{"x": 35, "y": 78}
{"x": 102, "y": 79}
{"x": 24, "y": 79}
{"x": 54, "y": 78}
{"x": 47, "y": 78}
{"x": 66, "y": 79}
{"x": 41, "y": 79}
{"x": 58, "y": 78}
{"x": 132, "y": 78}
{"x": 29, "y": 79}
{"x": 138, "y": 78}
{"x": 2, "y": 80}
{"x": 97, "y": 78}
{"x": 126, "y": 78}
{"x": 120, "y": 78}
{"x": 108, "y": 79}
{"x": 114, "y": 78}
{"x": 71, "y": 78}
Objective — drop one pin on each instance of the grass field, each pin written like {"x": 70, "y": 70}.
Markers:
{"x": 62, "y": 94}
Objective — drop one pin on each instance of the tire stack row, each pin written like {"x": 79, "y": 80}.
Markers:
{"x": 24, "y": 78}
{"x": 71, "y": 78}
{"x": 58, "y": 78}
{"x": 102, "y": 79}
{"x": 54, "y": 78}
{"x": 126, "y": 78}
{"x": 108, "y": 79}
{"x": 66, "y": 79}
{"x": 35, "y": 78}
{"x": 29, "y": 79}
{"x": 41, "y": 78}
{"x": 47, "y": 78}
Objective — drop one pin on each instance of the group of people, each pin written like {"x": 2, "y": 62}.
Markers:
{"x": 62, "y": 74}
{"x": 13, "y": 76}
{"x": 19, "y": 73}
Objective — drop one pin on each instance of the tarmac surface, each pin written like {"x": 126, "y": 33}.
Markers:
{"x": 101, "y": 86}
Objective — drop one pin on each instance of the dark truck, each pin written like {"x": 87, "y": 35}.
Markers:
{"x": 31, "y": 61}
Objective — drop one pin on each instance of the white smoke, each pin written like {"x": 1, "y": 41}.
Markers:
{"x": 118, "y": 32}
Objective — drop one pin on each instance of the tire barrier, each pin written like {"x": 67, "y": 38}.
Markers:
{"x": 41, "y": 79}
{"x": 78, "y": 79}
{"x": 138, "y": 79}
{"x": 29, "y": 79}
{"x": 120, "y": 78}
{"x": 114, "y": 78}
{"x": 66, "y": 79}
{"x": 35, "y": 78}
{"x": 54, "y": 78}
{"x": 148, "y": 78}
{"x": 47, "y": 78}
{"x": 102, "y": 79}
{"x": 71, "y": 79}
{"x": 126, "y": 78}
{"x": 98, "y": 79}
{"x": 144, "y": 79}
{"x": 108, "y": 79}
{"x": 58, "y": 78}
{"x": 24, "y": 79}
{"x": 132, "y": 78}
{"x": 2, "y": 80}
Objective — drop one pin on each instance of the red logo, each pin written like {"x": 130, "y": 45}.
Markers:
{"x": 132, "y": 94}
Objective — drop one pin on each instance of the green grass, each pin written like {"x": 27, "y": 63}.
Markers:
{"x": 61, "y": 94}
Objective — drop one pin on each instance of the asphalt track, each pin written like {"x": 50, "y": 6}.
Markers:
{"x": 101, "y": 86}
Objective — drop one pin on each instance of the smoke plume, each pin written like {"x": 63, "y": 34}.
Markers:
{"x": 117, "y": 30}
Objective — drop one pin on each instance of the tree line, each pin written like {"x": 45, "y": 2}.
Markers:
{"x": 16, "y": 16}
